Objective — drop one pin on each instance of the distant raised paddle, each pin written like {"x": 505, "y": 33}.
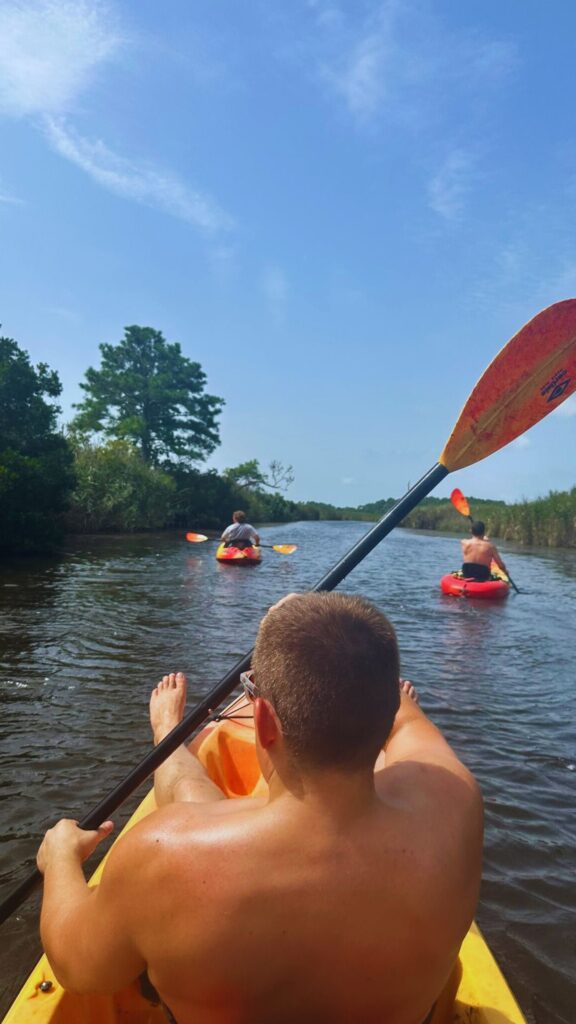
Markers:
{"x": 460, "y": 503}
{"x": 283, "y": 549}
{"x": 529, "y": 378}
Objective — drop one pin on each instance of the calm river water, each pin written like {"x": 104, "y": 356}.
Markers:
{"x": 83, "y": 639}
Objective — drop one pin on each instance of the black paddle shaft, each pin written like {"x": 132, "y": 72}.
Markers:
{"x": 195, "y": 718}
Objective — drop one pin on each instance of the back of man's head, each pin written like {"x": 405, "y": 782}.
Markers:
{"x": 239, "y": 517}
{"x": 329, "y": 665}
{"x": 478, "y": 529}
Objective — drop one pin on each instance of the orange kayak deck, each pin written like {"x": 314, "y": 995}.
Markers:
{"x": 238, "y": 556}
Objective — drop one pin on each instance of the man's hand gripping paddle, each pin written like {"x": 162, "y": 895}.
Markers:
{"x": 529, "y": 378}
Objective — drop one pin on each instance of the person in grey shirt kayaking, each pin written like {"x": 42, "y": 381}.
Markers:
{"x": 240, "y": 534}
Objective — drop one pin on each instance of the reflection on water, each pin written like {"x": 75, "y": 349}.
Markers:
{"x": 84, "y": 638}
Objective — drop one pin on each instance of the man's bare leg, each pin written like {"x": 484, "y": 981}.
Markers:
{"x": 408, "y": 688}
{"x": 181, "y": 777}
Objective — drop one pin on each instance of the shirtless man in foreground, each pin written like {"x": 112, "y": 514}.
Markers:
{"x": 342, "y": 896}
{"x": 478, "y": 554}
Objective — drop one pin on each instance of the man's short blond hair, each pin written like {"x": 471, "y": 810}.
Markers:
{"x": 329, "y": 665}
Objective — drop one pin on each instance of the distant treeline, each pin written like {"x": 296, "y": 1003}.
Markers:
{"x": 545, "y": 522}
{"x": 116, "y": 491}
{"x": 129, "y": 459}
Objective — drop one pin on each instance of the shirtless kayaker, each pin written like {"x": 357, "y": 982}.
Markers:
{"x": 478, "y": 554}
{"x": 340, "y": 897}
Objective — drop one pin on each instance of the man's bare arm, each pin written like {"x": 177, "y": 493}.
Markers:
{"x": 84, "y": 930}
{"x": 498, "y": 560}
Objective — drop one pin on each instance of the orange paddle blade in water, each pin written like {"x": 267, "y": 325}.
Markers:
{"x": 459, "y": 501}
{"x": 196, "y": 538}
{"x": 285, "y": 549}
{"x": 529, "y": 378}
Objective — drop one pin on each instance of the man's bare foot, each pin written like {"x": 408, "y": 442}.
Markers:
{"x": 167, "y": 704}
{"x": 409, "y": 689}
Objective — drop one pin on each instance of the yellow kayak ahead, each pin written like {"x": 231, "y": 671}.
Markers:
{"x": 477, "y": 992}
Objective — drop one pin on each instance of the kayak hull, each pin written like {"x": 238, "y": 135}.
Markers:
{"x": 476, "y": 993}
{"x": 238, "y": 556}
{"x": 458, "y": 586}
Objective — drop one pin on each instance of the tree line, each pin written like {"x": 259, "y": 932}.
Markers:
{"x": 131, "y": 459}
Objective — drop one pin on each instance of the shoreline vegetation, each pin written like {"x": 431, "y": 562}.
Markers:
{"x": 116, "y": 494}
{"x": 129, "y": 461}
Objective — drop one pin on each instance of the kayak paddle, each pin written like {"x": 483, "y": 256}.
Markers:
{"x": 529, "y": 378}
{"x": 461, "y": 504}
{"x": 283, "y": 549}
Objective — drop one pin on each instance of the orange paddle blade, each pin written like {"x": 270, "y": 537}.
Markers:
{"x": 460, "y": 502}
{"x": 196, "y": 538}
{"x": 285, "y": 549}
{"x": 529, "y": 378}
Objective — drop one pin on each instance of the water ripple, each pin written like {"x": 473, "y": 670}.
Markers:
{"x": 84, "y": 638}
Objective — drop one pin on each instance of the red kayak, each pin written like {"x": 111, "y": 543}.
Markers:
{"x": 460, "y": 586}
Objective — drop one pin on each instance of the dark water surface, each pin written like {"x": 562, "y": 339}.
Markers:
{"x": 83, "y": 640}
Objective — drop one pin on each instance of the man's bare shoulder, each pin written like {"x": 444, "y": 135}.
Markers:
{"x": 178, "y": 834}
{"x": 188, "y": 816}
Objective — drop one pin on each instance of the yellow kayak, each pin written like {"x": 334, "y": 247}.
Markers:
{"x": 477, "y": 992}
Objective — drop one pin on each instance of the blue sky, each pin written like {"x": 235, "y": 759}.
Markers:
{"x": 341, "y": 209}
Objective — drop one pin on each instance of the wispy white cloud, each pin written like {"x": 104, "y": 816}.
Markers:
{"x": 535, "y": 259}
{"x": 354, "y": 56}
{"x": 449, "y": 187}
{"x": 142, "y": 184}
{"x": 50, "y": 51}
{"x": 359, "y": 78}
{"x": 327, "y": 12}
{"x": 398, "y": 60}
{"x": 8, "y": 199}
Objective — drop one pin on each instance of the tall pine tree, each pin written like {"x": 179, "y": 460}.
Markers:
{"x": 147, "y": 392}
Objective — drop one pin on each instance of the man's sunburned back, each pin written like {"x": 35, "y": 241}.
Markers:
{"x": 478, "y": 550}
{"x": 287, "y": 911}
